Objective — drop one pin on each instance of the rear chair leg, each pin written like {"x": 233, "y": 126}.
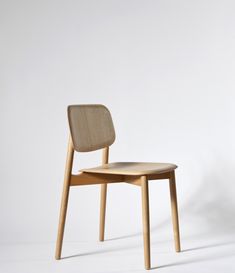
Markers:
{"x": 174, "y": 210}
{"x": 103, "y": 195}
{"x": 145, "y": 213}
{"x": 64, "y": 201}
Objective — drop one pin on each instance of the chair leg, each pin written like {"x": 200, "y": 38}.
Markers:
{"x": 174, "y": 210}
{"x": 103, "y": 195}
{"x": 64, "y": 201}
{"x": 145, "y": 213}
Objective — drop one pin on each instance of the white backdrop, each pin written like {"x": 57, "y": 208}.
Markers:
{"x": 165, "y": 69}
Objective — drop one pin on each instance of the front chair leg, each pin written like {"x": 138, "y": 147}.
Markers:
{"x": 145, "y": 213}
{"x": 174, "y": 210}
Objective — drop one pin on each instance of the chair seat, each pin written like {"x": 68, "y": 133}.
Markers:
{"x": 132, "y": 168}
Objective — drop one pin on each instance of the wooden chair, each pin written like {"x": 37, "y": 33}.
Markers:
{"x": 91, "y": 128}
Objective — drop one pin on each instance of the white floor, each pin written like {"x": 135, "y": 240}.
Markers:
{"x": 206, "y": 253}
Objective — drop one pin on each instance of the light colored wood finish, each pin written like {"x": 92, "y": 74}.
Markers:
{"x": 159, "y": 176}
{"x": 105, "y": 156}
{"x": 132, "y": 168}
{"x": 84, "y": 179}
{"x": 103, "y": 195}
{"x": 64, "y": 201}
{"x": 135, "y": 180}
{"x": 174, "y": 209}
{"x": 146, "y": 227}
{"x": 91, "y": 127}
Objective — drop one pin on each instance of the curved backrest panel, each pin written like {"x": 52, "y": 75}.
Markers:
{"x": 91, "y": 127}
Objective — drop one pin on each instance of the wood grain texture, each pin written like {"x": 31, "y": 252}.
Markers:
{"x": 132, "y": 168}
{"x": 91, "y": 127}
{"x": 64, "y": 201}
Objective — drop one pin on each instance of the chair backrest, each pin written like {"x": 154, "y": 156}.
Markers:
{"x": 91, "y": 127}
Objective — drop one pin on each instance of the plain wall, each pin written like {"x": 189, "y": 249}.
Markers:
{"x": 165, "y": 69}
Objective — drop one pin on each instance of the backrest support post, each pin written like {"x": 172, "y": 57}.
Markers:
{"x": 105, "y": 155}
{"x": 69, "y": 161}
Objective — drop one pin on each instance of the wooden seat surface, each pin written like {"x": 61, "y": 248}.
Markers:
{"x": 132, "y": 168}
